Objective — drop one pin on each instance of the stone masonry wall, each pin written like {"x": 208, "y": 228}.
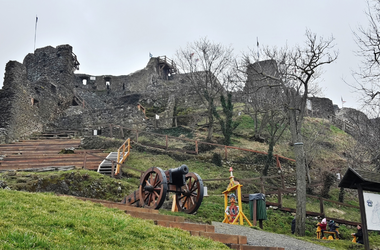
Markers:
{"x": 36, "y": 92}
{"x": 134, "y": 82}
{"x": 321, "y": 107}
{"x": 18, "y": 115}
{"x": 77, "y": 118}
{"x": 58, "y": 64}
{"x": 41, "y": 94}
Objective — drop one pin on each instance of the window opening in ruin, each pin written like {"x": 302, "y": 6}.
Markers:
{"x": 123, "y": 86}
{"x": 84, "y": 81}
{"x": 108, "y": 84}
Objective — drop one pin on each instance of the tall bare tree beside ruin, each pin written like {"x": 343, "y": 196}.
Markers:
{"x": 367, "y": 84}
{"x": 264, "y": 103}
{"x": 206, "y": 66}
{"x": 297, "y": 69}
{"x": 367, "y": 77}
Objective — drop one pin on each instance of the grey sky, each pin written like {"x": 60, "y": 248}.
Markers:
{"x": 115, "y": 36}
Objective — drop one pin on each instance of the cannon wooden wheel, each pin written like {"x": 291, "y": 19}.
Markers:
{"x": 191, "y": 195}
{"x": 153, "y": 188}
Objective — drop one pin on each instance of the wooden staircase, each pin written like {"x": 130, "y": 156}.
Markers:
{"x": 105, "y": 167}
{"x": 33, "y": 154}
{"x": 203, "y": 230}
{"x": 111, "y": 165}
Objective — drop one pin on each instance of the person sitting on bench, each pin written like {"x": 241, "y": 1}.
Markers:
{"x": 359, "y": 234}
{"x": 323, "y": 225}
{"x": 333, "y": 228}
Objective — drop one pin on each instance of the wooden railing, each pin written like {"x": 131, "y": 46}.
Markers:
{"x": 279, "y": 191}
{"x": 321, "y": 212}
{"x": 165, "y": 143}
{"x": 122, "y": 154}
{"x": 171, "y": 63}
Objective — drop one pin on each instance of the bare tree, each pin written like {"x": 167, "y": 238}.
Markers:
{"x": 260, "y": 97}
{"x": 365, "y": 153}
{"x": 206, "y": 66}
{"x": 367, "y": 77}
{"x": 264, "y": 103}
{"x": 315, "y": 140}
{"x": 277, "y": 124}
{"x": 297, "y": 69}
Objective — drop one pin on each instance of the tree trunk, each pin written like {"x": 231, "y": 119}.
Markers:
{"x": 211, "y": 121}
{"x": 295, "y": 128}
{"x": 308, "y": 173}
{"x": 256, "y": 125}
{"x": 269, "y": 160}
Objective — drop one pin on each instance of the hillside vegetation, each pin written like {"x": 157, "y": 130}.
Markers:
{"x": 328, "y": 148}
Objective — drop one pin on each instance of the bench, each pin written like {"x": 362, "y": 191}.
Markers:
{"x": 354, "y": 239}
{"x": 331, "y": 234}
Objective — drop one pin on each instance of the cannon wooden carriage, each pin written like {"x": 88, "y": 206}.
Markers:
{"x": 156, "y": 183}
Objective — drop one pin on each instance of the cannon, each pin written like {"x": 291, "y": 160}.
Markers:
{"x": 155, "y": 183}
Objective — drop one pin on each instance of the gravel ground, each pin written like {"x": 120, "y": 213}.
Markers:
{"x": 265, "y": 239}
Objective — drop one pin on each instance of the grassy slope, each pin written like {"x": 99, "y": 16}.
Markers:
{"x": 45, "y": 221}
{"x": 333, "y": 144}
{"x": 278, "y": 222}
{"x": 330, "y": 143}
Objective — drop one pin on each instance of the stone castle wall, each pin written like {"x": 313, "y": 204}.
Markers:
{"x": 44, "y": 93}
{"x": 36, "y": 92}
{"x": 321, "y": 107}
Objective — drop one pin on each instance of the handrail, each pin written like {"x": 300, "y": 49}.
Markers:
{"x": 276, "y": 156}
{"x": 168, "y": 61}
{"x": 122, "y": 154}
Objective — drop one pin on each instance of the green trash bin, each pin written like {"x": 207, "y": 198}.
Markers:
{"x": 261, "y": 209}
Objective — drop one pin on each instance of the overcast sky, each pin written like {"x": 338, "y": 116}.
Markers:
{"x": 115, "y": 37}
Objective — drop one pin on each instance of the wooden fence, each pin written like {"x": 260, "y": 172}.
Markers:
{"x": 321, "y": 212}
{"x": 165, "y": 143}
{"x": 168, "y": 143}
{"x": 281, "y": 190}
{"x": 274, "y": 190}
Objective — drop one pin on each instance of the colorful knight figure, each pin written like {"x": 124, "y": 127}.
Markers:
{"x": 232, "y": 210}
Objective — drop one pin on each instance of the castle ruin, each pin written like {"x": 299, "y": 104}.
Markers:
{"x": 44, "y": 94}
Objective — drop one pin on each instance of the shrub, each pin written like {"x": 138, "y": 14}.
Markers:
{"x": 217, "y": 159}
{"x": 328, "y": 181}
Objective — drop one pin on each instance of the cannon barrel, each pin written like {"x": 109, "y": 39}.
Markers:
{"x": 181, "y": 170}
{"x": 176, "y": 176}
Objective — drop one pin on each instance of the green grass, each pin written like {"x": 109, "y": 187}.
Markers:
{"x": 45, "y": 221}
{"x": 336, "y": 130}
{"x": 212, "y": 208}
{"x": 246, "y": 126}
{"x": 77, "y": 182}
{"x": 54, "y": 222}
